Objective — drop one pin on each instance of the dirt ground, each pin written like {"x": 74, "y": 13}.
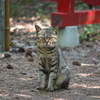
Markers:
{"x": 19, "y": 77}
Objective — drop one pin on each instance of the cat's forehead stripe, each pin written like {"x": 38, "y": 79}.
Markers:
{"x": 47, "y": 32}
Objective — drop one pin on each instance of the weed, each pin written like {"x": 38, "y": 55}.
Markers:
{"x": 90, "y": 32}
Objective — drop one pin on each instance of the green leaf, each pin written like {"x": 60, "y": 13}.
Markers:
{"x": 91, "y": 39}
{"x": 96, "y": 26}
{"x": 85, "y": 5}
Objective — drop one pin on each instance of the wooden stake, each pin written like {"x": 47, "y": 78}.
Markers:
{"x": 7, "y": 25}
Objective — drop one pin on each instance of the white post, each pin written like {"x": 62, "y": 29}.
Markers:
{"x": 68, "y": 36}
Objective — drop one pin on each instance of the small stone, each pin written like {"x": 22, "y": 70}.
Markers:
{"x": 7, "y": 55}
{"x": 28, "y": 52}
{"x": 98, "y": 55}
{"x": 23, "y": 73}
{"x": 30, "y": 59}
{"x": 21, "y": 50}
{"x": 9, "y": 66}
{"x": 34, "y": 90}
{"x": 76, "y": 63}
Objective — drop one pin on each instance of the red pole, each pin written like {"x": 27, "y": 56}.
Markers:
{"x": 66, "y": 6}
{"x": 93, "y": 2}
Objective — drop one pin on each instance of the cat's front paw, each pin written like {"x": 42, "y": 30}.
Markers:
{"x": 55, "y": 88}
{"x": 50, "y": 89}
{"x": 41, "y": 87}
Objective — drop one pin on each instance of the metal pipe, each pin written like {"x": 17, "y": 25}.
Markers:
{"x": 7, "y": 25}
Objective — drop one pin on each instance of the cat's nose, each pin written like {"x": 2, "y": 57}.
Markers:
{"x": 46, "y": 41}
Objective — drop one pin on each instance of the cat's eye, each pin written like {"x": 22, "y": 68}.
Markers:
{"x": 37, "y": 37}
{"x": 50, "y": 37}
{"x": 53, "y": 37}
{"x": 40, "y": 38}
{"x": 54, "y": 32}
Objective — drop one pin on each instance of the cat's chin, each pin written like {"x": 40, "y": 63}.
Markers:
{"x": 46, "y": 46}
{"x": 49, "y": 46}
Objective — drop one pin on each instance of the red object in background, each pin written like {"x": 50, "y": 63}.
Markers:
{"x": 76, "y": 18}
{"x": 66, "y": 16}
{"x": 92, "y": 2}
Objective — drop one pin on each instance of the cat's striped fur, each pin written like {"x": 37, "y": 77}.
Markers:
{"x": 53, "y": 70}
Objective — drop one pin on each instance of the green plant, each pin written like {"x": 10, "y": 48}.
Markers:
{"x": 39, "y": 12}
{"x": 15, "y": 5}
{"x": 27, "y": 0}
{"x": 13, "y": 9}
{"x": 90, "y": 31}
{"x": 80, "y": 3}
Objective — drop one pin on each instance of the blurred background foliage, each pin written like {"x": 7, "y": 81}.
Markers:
{"x": 30, "y": 8}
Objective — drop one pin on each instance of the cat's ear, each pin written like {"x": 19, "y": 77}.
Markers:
{"x": 56, "y": 28}
{"x": 37, "y": 28}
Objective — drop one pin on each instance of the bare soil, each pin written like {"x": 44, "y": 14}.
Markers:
{"x": 19, "y": 77}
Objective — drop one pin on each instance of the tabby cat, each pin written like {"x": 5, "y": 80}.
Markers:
{"x": 53, "y": 70}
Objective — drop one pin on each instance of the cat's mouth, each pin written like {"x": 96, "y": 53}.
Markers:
{"x": 47, "y": 44}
